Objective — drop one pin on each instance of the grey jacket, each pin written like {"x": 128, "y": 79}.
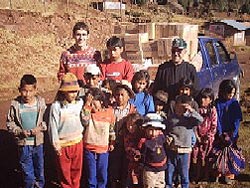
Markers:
{"x": 180, "y": 128}
{"x": 14, "y": 124}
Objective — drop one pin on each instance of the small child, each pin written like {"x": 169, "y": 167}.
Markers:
{"x": 143, "y": 101}
{"x": 108, "y": 86}
{"x": 179, "y": 133}
{"x": 92, "y": 77}
{"x": 99, "y": 138}
{"x": 153, "y": 152}
{"x": 65, "y": 132}
{"x": 205, "y": 136}
{"x": 229, "y": 118}
{"x": 25, "y": 122}
{"x": 117, "y": 159}
{"x": 116, "y": 67}
{"x": 160, "y": 101}
{"x": 132, "y": 135}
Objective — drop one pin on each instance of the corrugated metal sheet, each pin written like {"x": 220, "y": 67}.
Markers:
{"x": 237, "y": 25}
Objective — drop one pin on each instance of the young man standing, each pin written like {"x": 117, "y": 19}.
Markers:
{"x": 77, "y": 57}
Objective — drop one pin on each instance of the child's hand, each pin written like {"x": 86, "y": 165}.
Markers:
{"x": 26, "y": 133}
{"x": 188, "y": 107}
{"x": 111, "y": 147}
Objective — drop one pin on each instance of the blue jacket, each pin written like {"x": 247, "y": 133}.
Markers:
{"x": 143, "y": 102}
{"x": 229, "y": 117}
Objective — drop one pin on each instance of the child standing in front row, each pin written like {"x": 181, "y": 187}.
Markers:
{"x": 143, "y": 101}
{"x": 132, "y": 133}
{"x": 229, "y": 118}
{"x": 205, "y": 136}
{"x": 179, "y": 132}
{"x": 65, "y": 132}
{"x": 99, "y": 138}
{"x": 153, "y": 152}
{"x": 25, "y": 122}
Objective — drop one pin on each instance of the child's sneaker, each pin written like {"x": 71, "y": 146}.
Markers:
{"x": 228, "y": 181}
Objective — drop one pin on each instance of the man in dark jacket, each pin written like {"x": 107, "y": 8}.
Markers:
{"x": 170, "y": 73}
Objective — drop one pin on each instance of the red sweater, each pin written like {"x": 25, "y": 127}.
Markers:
{"x": 117, "y": 71}
{"x": 75, "y": 61}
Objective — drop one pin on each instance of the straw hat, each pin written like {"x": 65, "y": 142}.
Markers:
{"x": 69, "y": 83}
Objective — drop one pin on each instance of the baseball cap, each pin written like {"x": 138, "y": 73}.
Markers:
{"x": 179, "y": 43}
{"x": 92, "y": 69}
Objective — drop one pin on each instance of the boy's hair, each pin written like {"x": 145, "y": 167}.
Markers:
{"x": 141, "y": 75}
{"x": 133, "y": 119}
{"x": 185, "y": 82}
{"x": 80, "y": 25}
{"x": 226, "y": 87}
{"x": 28, "y": 79}
{"x": 183, "y": 99}
{"x": 114, "y": 42}
{"x": 97, "y": 95}
{"x": 110, "y": 82}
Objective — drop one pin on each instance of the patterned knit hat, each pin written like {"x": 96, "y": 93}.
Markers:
{"x": 69, "y": 83}
{"x": 155, "y": 120}
{"x": 179, "y": 43}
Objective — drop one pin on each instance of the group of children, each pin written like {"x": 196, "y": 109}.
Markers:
{"x": 107, "y": 129}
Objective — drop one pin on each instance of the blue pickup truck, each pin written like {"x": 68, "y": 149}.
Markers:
{"x": 217, "y": 64}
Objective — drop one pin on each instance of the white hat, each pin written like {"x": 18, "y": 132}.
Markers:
{"x": 92, "y": 69}
{"x": 155, "y": 121}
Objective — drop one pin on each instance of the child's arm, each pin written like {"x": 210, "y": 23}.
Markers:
{"x": 62, "y": 69}
{"x": 12, "y": 125}
{"x": 54, "y": 119}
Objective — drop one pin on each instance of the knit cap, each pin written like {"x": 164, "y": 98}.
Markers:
{"x": 69, "y": 83}
{"x": 162, "y": 96}
{"x": 155, "y": 120}
{"x": 179, "y": 43}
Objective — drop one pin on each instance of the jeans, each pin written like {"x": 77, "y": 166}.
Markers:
{"x": 32, "y": 163}
{"x": 96, "y": 167}
{"x": 179, "y": 162}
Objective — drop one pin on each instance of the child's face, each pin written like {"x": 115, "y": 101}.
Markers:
{"x": 96, "y": 105}
{"x": 81, "y": 37}
{"x": 70, "y": 96}
{"x": 159, "y": 105}
{"x": 151, "y": 132}
{"x": 115, "y": 53}
{"x": 140, "y": 85}
{"x": 230, "y": 95}
{"x": 92, "y": 80}
{"x": 131, "y": 128}
{"x": 206, "y": 101}
{"x": 185, "y": 91}
{"x": 122, "y": 97}
{"x": 28, "y": 93}
{"x": 181, "y": 108}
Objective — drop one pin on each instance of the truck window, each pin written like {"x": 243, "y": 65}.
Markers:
{"x": 223, "y": 55}
{"x": 211, "y": 53}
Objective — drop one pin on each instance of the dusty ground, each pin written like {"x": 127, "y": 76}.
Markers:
{"x": 31, "y": 42}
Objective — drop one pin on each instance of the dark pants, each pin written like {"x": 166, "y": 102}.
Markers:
{"x": 32, "y": 163}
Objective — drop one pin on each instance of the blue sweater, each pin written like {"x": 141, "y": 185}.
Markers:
{"x": 229, "y": 117}
{"x": 143, "y": 102}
